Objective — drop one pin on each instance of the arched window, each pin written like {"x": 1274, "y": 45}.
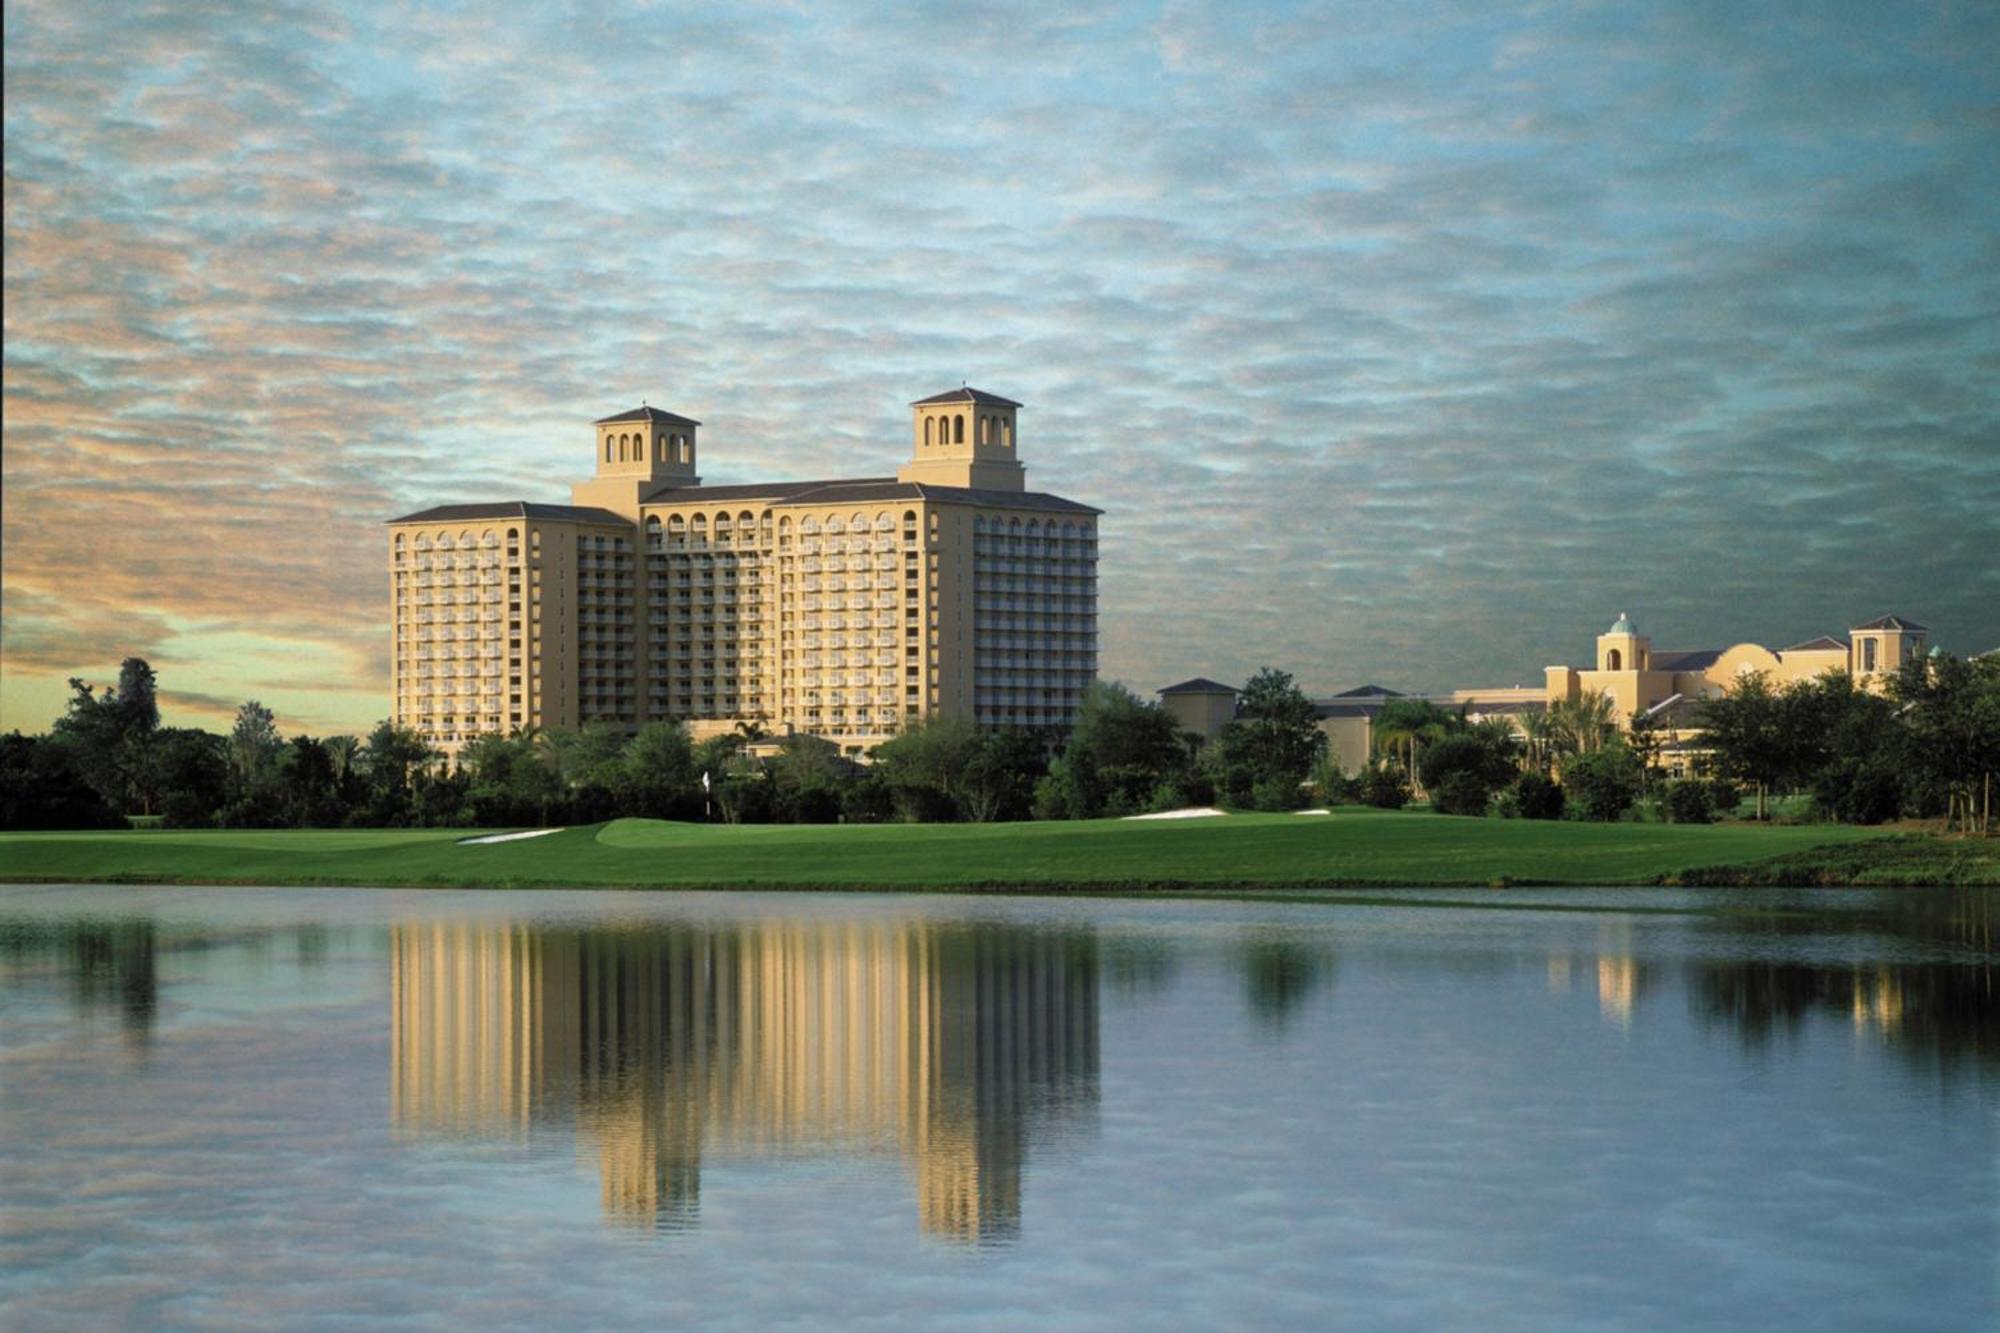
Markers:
{"x": 1614, "y": 660}
{"x": 662, "y": 450}
{"x": 927, "y": 432}
{"x": 1007, "y": 432}
{"x": 958, "y": 429}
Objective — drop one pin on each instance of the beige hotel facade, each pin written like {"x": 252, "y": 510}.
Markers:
{"x": 841, "y": 608}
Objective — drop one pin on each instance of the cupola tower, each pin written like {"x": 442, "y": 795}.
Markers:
{"x": 965, "y": 437}
{"x": 638, "y": 452}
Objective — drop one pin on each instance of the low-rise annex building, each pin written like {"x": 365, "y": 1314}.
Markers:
{"x": 839, "y": 607}
{"x": 1664, "y": 685}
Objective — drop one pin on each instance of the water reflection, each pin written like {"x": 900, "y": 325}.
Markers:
{"x": 110, "y": 965}
{"x": 1279, "y": 974}
{"x": 953, "y": 1046}
{"x": 1942, "y": 1014}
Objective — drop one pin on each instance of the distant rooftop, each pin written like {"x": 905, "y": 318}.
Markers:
{"x": 1894, "y": 622}
{"x": 512, "y": 509}
{"x": 647, "y": 414}
{"x": 966, "y": 395}
{"x": 1200, "y": 685}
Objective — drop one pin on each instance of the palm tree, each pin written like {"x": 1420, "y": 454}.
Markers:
{"x": 1538, "y": 735}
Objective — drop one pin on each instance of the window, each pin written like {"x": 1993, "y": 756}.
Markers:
{"x": 1613, "y": 661}
{"x": 1868, "y": 654}
{"x": 958, "y": 429}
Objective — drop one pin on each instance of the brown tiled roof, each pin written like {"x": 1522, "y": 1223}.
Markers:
{"x": 513, "y": 509}
{"x": 647, "y": 414}
{"x": 866, "y": 490}
{"x": 1200, "y": 685}
{"x": 769, "y": 490}
{"x": 966, "y": 395}
{"x": 1893, "y": 622}
{"x": 1823, "y": 643}
{"x": 1369, "y": 692}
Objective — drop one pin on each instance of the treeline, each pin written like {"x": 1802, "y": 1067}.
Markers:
{"x": 108, "y": 757}
{"x": 1928, "y": 746}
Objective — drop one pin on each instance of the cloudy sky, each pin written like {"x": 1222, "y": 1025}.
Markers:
{"x": 1401, "y": 342}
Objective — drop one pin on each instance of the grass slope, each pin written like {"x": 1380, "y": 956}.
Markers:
{"x": 1351, "y": 848}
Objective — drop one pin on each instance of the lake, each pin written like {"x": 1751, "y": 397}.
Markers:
{"x": 1474, "y": 1109}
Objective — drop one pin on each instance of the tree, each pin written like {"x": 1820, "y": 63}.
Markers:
{"x": 138, "y": 695}
{"x": 806, "y": 776}
{"x": 1603, "y": 783}
{"x": 925, "y": 765}
{"x": 194, "y": 776}
{"x": 1582, "y": 725}
{"x": 1406, "y": 726}
{"x": 307, "y": 777}
{"x": 1463, "y": 771}
{"x": 1121, "y": 751}
{"x": 40, "y": 790}
{"x": 392, "y": 760}
{"x": 1746, "y": 732}
{"x": 659, "y": 773}
{"x": 1275, "y": 737}
{"x": 999, "y": 782}
{"x": 256, "y": 799}
{"x": 1383, "y": 786}
{"x": 1951, "y": 708}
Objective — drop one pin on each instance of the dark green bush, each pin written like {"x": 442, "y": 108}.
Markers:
{"x": 1536, "y": 796}
{"x": 1856, "y": 792}
{"x": 1461, "y": 793}
{"x": 1603, "y": 784}
{"x": 1277, "y": 793}
{"x": 1688, "y": 803}
{"x": 1383, "y": 787}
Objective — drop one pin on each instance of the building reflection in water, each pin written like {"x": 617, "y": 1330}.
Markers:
{"x": 951, "y": 1046}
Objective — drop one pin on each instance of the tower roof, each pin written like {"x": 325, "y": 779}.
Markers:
{"x": 1622, "y": 626}
{"x": 1199, "y": 685}
{"x": 1893, "y": 622}
{"x": 651, "y": 414}
{"x": 964, "y": 394}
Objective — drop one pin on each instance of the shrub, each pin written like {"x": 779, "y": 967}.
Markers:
{"x": 1724, "y": 796}
{"x": 1688, "y": 803}
{"x": 1277, "y": 793}
{"x": 1855, "y": 792}
{"x": 1461, "y": 793}
{"x": 1383, "y": 786}
{"x": 1536, "y": 796}
{"x": 1603, "y": 784}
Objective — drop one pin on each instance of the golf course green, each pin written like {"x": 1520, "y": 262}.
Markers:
{"x": 1350, "y": 848}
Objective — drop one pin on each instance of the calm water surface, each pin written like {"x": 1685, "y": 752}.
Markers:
{"x": 1630, "y": 1109}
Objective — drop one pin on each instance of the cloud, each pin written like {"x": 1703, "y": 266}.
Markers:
{"x": 1402, "y": 346}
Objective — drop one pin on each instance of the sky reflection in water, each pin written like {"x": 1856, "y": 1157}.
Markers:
{"x": 224, "y": 1107}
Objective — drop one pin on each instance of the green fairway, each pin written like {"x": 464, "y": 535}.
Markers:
{"x": 1359, "y": 848}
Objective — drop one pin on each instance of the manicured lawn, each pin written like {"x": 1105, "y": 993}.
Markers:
{"x": 1350, "y": 847}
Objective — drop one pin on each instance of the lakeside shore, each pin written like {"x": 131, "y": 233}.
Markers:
{"x": 1350, "y": 849}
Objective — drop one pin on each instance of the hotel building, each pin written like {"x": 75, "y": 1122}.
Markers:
{"x": 842, "y": 608}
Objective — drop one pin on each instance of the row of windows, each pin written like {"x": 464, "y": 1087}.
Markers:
{"x": 631, "y": 448}
{"x": 989, "y": 428}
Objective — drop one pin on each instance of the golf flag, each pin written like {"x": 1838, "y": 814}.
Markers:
{"x": 704, "y": 781}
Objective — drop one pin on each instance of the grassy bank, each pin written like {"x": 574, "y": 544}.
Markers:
{"x": 1350, "y": 848}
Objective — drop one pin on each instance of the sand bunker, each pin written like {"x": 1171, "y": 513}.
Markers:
{"x": 1192, "y": 812}
{"x": 507, "y": 837}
